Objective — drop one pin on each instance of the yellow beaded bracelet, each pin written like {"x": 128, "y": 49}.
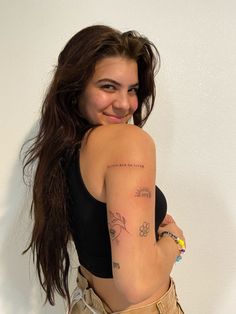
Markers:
{"x": 177, "y": 240}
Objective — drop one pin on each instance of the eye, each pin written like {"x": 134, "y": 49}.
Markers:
{"x": 133, "y": 90}
{"x": 108, "y": 87}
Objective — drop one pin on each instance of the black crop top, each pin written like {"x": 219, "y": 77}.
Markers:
{"x": 88, "y": 223}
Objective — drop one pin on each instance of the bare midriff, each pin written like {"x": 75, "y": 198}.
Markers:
{"x": 105, "y": 288}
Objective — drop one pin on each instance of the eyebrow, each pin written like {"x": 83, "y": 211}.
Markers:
{"x": 115, "y": 82}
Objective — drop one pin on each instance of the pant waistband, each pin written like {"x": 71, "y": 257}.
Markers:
{"x": 168, "y": 303}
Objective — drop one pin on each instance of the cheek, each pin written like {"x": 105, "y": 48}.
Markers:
{"x": 135, "y": 105}
{"x": 98, "y": 101}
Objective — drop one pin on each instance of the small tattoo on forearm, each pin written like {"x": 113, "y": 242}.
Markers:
{"x": 143, "y": 192}
{"x": 129, "y": 165}
{"x": 117, "y": 224}
{"x": 144, "y": 229}
{"x": 116, "y": 265}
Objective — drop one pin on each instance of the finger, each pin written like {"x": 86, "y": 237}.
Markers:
{"x": 167, "y": 220}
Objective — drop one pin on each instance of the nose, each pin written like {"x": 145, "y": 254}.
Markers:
{"x": 122, "y": 102}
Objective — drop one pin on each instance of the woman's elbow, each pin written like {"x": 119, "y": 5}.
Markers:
{"x": 135, "y": 291}
{"x": 137, "y": 295}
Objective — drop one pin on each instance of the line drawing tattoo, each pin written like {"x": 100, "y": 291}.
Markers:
{"x": 143, "y": 192}
{"x": 144, "y": 229}
{"x": 129, "y": 165}
{"x": 116, "y": 265}
{"x": 117, "y": 223}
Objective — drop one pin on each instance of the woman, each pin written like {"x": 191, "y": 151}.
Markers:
{"x": 95, "y": 180}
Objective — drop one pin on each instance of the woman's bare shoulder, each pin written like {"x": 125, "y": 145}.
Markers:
{"x": 114, "y": 136}
{"x": 115, "y": 143}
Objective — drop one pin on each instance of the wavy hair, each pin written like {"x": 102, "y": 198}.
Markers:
{"x": 60, "y": 133}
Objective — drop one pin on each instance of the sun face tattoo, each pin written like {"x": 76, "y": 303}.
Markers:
{"x": 143, "y": 192}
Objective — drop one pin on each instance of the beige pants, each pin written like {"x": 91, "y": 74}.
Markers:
{"x": 86, "y": 301}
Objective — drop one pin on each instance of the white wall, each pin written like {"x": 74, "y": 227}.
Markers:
{"x": 193, "y": 125}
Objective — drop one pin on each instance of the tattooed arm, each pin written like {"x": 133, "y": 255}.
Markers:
{"x": 140, "y": 264}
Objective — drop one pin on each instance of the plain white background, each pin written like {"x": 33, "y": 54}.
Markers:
{"x": 193, "y": 124}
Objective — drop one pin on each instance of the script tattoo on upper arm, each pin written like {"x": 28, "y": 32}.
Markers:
{"x": 143, "y": 192}
{"x": 117, "y": 224}
{"x": 144, "y": 229}
{"x": 123, "y": 165}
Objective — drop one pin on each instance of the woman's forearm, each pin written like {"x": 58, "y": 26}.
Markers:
{"x": 154, "y": 268}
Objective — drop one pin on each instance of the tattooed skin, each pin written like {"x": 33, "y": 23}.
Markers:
{"x": 143, "y": 192}
{"x": 116, "y": 265}
{"x": 144, "y": 229}
{"x": 129, "y": 165}
{"x": 117, "y": 224}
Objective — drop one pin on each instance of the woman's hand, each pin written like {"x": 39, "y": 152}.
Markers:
{"x": 168, "y": 224}
{"x": 167, "y": 220}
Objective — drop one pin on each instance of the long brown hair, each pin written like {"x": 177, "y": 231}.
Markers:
{"x": 60, "y": 132}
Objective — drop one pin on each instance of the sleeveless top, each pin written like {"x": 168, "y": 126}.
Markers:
{"x": 88, "y": 224}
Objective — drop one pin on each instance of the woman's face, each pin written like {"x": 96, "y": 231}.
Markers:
{"x": 111, "y": 94}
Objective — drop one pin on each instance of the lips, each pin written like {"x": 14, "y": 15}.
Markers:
{"x": 114, "y": 116}
{"x": 111, "y": 118}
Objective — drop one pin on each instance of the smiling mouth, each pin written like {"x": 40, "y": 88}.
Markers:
{"x": 114, "y": 116}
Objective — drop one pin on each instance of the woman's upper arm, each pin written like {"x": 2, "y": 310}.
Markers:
{"x": 130, "y": 198}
